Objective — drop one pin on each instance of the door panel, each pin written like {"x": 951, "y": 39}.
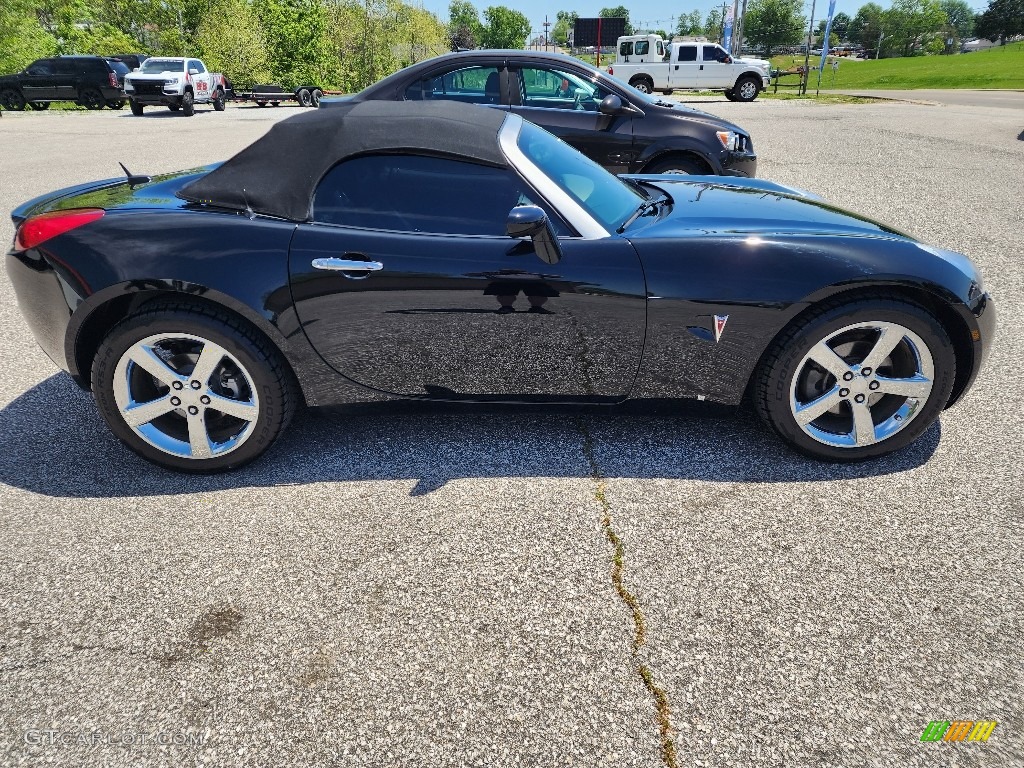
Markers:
{"x": 39, "y": 80}
{"x": 431, "y": 323}
{"x": 685, "y": 69}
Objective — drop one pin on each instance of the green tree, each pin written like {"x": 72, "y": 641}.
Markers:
{"x": 565, "y": 21}
{"x": 22, "y": 39}
{"x": 464, "y": 27}
{"x": 505, "y": 28}
{"x": 230, "y": 40}
{"x": 910, "y": 25}
{"x": 841, "y": 25}
{"x": 618, "y": 12}
{"x": 959, "y": 16}
{"x": 297, "y": 41}
{"x": 771, "y": 24}
{"x": 866, "y": 25}
{"x": 713, "y": 24}
{"x": 1002, "y": 19}
{"x": 690, "y": 24}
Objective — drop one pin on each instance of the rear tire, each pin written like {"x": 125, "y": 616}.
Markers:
{"x": 188, "y": 105}
{"x": 747, "y": 89}
{"x": 39, "y": 106}
{"x": 219, "y": 100}
{"x": 643, "y": 84}
{"x": 304, "y": 97}
{"x": 12, "y": 99}
{"x": 136, "y": 108}
{"x": 91, "y": 98}
{"x": 316, "y": 95}
{"x": 832, "y": 388}
{"x": 242, "y": 372}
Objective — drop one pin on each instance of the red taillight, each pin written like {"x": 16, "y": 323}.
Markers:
{"x": 41, "y": 228}
{"x": 113, "y": 79}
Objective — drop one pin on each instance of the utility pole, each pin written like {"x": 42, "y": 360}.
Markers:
{"x": 721, "y": 35}
{"x": 739, "y": 34}
{"x": 735, "y": 17}
{"x": 807, "y": 56}
{"x": 546, "y": 25}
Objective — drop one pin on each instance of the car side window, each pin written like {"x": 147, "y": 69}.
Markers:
{"x": 472, "y": 85}
{"x": 414, "y": 193}
{"x": 548, "y": 88}
{"x": 626, "y": 48}
{"x": 714, "y": 53}
{"x": 642, "y": 47}
{"x": 197, "y": 65}
{"x": 687, "y": 53}
{"x": 41, "y": 67}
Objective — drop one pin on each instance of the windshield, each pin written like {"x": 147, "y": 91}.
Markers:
{"x": 156, "y": 66}
{"x": 606, "y": 198}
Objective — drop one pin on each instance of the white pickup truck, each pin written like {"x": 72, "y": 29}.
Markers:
{"x": 650, "y": 64}
{"x": 176, "y": 83}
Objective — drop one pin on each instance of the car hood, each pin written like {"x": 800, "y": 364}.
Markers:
{"x": 165, "y": 75}
{"x": 709, "y": 205}
{"x": 692, "y": 113}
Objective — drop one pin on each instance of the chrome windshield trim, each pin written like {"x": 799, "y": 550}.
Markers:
{"x": 508, "y": 138}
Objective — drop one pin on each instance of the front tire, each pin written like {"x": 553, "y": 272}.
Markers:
{"x": 12, "y": 99}
{"x": 137, "y": 108}
{"x": 192, "y": 388}
{"x": 857, "y": 380}
{"x": 731, "y": 95}
{"x": 747, "y": 89}
{"x": 188, "y": 104}
{"x": 305, "y": 97}
{"x": 677, "y": 164}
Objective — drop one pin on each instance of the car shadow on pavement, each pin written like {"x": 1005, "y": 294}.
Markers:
{"x": 58, "y": 445}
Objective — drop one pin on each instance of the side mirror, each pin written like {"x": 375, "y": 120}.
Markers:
{"x": 193, "y": 71}
{"x": 530, "y": 221}
{"x": 610, "y": 105}
{"x": 137, "y": 69}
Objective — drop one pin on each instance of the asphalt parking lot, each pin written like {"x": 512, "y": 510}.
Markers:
{"x": 436, "y": 588}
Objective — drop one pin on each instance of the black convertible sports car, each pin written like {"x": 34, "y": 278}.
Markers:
{"x": 451, "y": 253}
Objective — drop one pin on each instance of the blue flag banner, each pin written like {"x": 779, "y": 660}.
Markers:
{"x": 828, "y": 31}
{"x": 727, "y": 31}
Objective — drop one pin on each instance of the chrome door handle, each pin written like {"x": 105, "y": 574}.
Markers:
{"x": 347, "y": 265}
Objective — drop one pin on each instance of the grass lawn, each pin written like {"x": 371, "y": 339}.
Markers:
{"x": 999, "y": 67}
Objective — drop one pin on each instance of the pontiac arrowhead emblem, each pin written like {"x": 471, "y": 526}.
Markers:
{"x": 720, "y": 321}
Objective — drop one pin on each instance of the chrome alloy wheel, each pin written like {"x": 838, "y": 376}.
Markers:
{"x": 862, "y": 384}
{"x": 185, "y": 395}
{"x": 747, "y": 90}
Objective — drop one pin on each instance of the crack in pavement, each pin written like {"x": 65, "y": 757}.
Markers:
{"x": 661, "y": 703}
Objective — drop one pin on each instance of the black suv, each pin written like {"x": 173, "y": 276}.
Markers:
{"x": 92, "y": 81}
{"x": 612, "y": 123}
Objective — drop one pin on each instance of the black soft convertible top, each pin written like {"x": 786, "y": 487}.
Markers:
{"x": 278, "y": 174}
